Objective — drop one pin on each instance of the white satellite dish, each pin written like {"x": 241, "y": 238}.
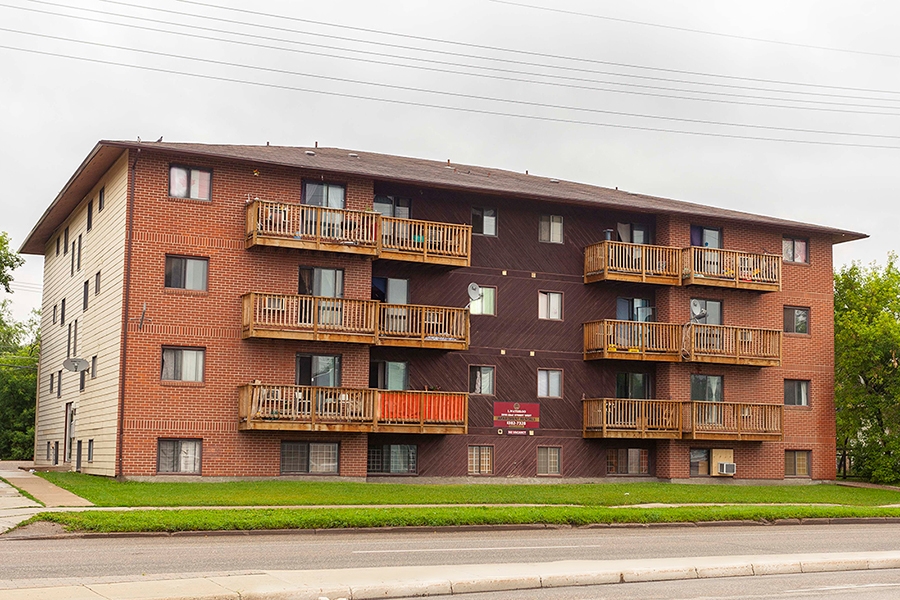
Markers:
{"x": 76, "y": 365}
{"x": 697, "y": 310}
{"x": 474, "y": 291}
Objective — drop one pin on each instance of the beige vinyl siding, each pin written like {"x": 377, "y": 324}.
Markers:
{"x": 99, "y": 329}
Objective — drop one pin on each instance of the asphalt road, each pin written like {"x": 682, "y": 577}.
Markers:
{"x": 112, "y": 557}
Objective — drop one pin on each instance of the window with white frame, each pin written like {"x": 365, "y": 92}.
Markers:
{"x": 550, "y": 305}
{"x": 182, "y": 364}
{"x": 548, "y": 460}
{"x": 309, "y": 457}
{"x": 190, "y": 182}
{"x": 486, "y": 304}
{"x": 187, "y": 273}
{"x": 178, "y": 456}
{"x": 481, "y": 460}
{"x": 796, "y": 392}
{"x": 551, "y": 230}
{"x": 549, "y": 383}
{"x": 481, "y": 380}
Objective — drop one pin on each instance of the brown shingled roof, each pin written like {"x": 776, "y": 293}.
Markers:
{"x": 387, "y": 167}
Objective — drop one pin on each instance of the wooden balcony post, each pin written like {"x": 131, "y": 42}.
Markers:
{"x": 603, "y": 416}
{"x": 425, "y": 233}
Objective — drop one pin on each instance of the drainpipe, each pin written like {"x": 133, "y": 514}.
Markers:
{"x": 129, "y": 238}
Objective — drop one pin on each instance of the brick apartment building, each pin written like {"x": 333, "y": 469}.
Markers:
{"x": 264, "y": 311}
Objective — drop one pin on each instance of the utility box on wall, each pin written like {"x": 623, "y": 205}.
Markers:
{"x": 722, "y": 462}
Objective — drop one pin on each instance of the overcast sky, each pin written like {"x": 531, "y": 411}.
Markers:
{"x": 606, "y": 93}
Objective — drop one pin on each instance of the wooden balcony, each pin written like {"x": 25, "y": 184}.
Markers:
{"x": 314, "y": 318}
{"x": 425, "y": 242}
{"x": 282, "y": 316}
{"x": 290, "y": 225}
{"x": 306, "y": 227}
{"x": 729, "y": 268}
{"x": 667, "y": 419}
{"x": 415, "y": 326}
{"x": 307, "y": 408}
{"x": 645, "y": 263}
{"x": 692, "y": 342}
{"x": 734, "y": 421}
{"x": 629, "y": 418}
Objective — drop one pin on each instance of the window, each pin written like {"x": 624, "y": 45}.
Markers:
{"x": 392, "y": 206}
{"x": 75, "y": 337}
{"x": 57, "y": 245}
{"x": 796, "y": 463}
{"x": 713, "y": 309}
{"x": 72, "y": 261}
{"x": 627, "y": 461}
{"x": 178, "y": 456}
{"x": 706, "y": 388}
{"x": 481, "y": 460}
{"x": 635, "y": 309}
{"x": 795, "y": 250}
{"x": 82, "y": 380}
{"x": 309, "y": 457}
{"x": 633, "y": 233}
{"x": 62, "y": 312}
{"x": 796, "y": 392}
{"x": 549, "y": 383}
{"x": 321, "y": 371}
{"x": 548, "y": 461}
{"x": 79, "y": 253}
{"x": 69, "y": 437}
{"x": 59, "y": 384}
{"x": 315, "y": 281}
{"x": 48, "y": 451}
{"x": 52, "y": 380}
{"x": 486, "y": 304}
{"x": 182, "y": 364}
{"x": 481, "y": 380}
{"x": 388, "y": 375}
{"x": 55, "y": 312}
{"x": 329, "y": 195}
{"x": 484, "y": 221}
{"x": 97, "y": 283}
{"x": 55, "y": 453}
{"x": 69, "y": 342}
{"x": 85, "y": 294}
{"x": 706, "y": 237}
{"x": 393, "y": 458}
{"x": 392, "y": 291}
{"x": 186, "y": 273}
{"x": 699, "y": 462}
{"x": 90, "y": 456}
{"x": 66, "y": 240}
{"x": 101, "y": 199}
{"x": 550, "y": 306}
{"x": 551, "y": 230}
{"x": 796, "y": 320}
{"x": 633, "y": 385}
{"x": 187, "y": 182}
{"x": 90, "y": 215}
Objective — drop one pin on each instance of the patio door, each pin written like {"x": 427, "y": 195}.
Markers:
{"x": 394, "y": 319}
{"x": 322, "y": 283}
{"x": 708, "y": 388}
{"x": 325, "y": 195}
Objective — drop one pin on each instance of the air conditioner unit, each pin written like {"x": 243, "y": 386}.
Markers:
{"x": 726, "y": 468}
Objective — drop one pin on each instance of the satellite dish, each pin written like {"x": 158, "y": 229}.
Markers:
{"x": 474, "y": 291}
{"x": 697, "y": 310}
{"x": 76, "y": 365}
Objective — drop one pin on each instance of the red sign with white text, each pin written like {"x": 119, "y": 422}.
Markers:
{"x": 517, "y": 415}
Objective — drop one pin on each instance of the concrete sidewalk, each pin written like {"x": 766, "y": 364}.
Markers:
{"x": 15, "y": 508}
{"x": 405, "y": 582}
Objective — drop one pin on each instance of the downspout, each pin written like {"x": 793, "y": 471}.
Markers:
{"x": 129, "y": 238}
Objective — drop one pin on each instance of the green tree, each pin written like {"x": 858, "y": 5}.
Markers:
{"x": 19, "y": 351}
{"x": 9, "y": 261}
{"x": 867, "y": 368}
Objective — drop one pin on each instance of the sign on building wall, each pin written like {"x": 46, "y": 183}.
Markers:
{"x": 517, "y": 415}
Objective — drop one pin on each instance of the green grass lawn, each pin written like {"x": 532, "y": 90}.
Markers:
{"x": 569, "y": 504}
{"x": 279, "y": 492}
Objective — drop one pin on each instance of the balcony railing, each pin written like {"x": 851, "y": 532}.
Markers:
{"x": 411, "y": 325}
{"x": 735, "y": 421}
{"x": 316, "y": 318}
{"x": 426, "y": 241}
{"x": 618, "y": 261}
{"x": 730, "y": 268}
{"x": 311, "y": 408}
{"x": 357, "y": 232}
{"x": 283, "y": 316}
{"x": 692, "y": 342}
{"x": 631, "y": 418}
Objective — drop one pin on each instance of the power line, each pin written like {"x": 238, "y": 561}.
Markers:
{"x": 690, "y": 30}
{"x": 443, "y": 107}
{"x": 446, "y": 93}
{"x": 479, "y": 46}
{"x": 194, "y": 35}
